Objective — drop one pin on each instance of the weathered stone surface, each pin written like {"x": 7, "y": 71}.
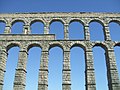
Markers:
{"x": 45, "y": 41}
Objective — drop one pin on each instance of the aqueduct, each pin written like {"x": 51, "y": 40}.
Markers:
{"x": 26, "y": 40}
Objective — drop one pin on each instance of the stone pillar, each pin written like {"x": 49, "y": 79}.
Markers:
{"x": 112, "y": 73}
{"x": 3, "y": 58}
{"x": 20, "y": 75}
{"x": 43, "y": 72}
{"x": 26, "y": 29}
{"x": 86, "y": 32}
{"x": 66, "y": 84}
{"x": 66, "y": 31}
{"x": 46, "y": 28}
{"x": 107, "y": 33}
{"x": 7, "y": 29}
{"x": 89, "y": 71}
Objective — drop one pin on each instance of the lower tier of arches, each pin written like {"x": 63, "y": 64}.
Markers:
{"x": 66, "y": 46}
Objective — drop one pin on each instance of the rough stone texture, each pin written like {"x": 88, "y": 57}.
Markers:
{"x": 66, "y": 71}
{"x": 3, "y": 58}
{"x": 20, "y": 76}
{"x": 26, "y": 40}
{"x": 43, "y": 72}
{"x": 89, "y": 71}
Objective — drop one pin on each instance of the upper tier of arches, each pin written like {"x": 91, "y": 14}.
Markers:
{"x": 27, "y": 23}
{"x": 84, "y": 21}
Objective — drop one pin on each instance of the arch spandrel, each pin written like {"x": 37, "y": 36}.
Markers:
{"x": 66, "y": 45}
{"x": 2, "y": 48}
{"x": 88, "y": 46}
{"x": 110, "y": 45}
{"x": 66, "y": 20}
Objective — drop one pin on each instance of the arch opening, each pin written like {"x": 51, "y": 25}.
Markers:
{"x": 17, "y": 28}
{"x": 37, "y": 28}
{"x": 77, "y": 68}
{"x": 55, "y": 68}
{"x": 33, "y": 66}
{"x": 2, "y": 27}
{"x": 57, "y": 28}
{"x": 11, "y": 66}
{"x": 101, "y": 69}
{"x": 76, "y": 30}
{"x": 114, "y": 28}
{"x": 96, "y": 31}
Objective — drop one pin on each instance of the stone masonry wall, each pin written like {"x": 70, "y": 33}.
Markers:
{"x": 45, "y": 41}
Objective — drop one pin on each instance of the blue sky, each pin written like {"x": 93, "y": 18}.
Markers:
{"x": 59, "y": 6}
{"x": 56, "y": 53}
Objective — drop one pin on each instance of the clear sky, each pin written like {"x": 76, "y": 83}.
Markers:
{"x": 56, "y": 53}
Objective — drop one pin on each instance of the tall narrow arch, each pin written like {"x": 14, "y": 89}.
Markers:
{"x": 76, "y": 30}
{"x": 11, "y": 65}
{"x": 55, "y": 68}
{"x": 33, "y": 66}
{"x": 77, "y": 59}
{"x": 114, "y": 27}
{"x": 96, "y": 31}
{"x": 101, "y": 69}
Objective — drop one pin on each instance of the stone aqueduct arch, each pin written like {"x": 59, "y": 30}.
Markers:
{"x": 46, "y": 41}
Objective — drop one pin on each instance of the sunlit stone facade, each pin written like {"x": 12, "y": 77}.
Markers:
{"x": 45, "y": 41}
